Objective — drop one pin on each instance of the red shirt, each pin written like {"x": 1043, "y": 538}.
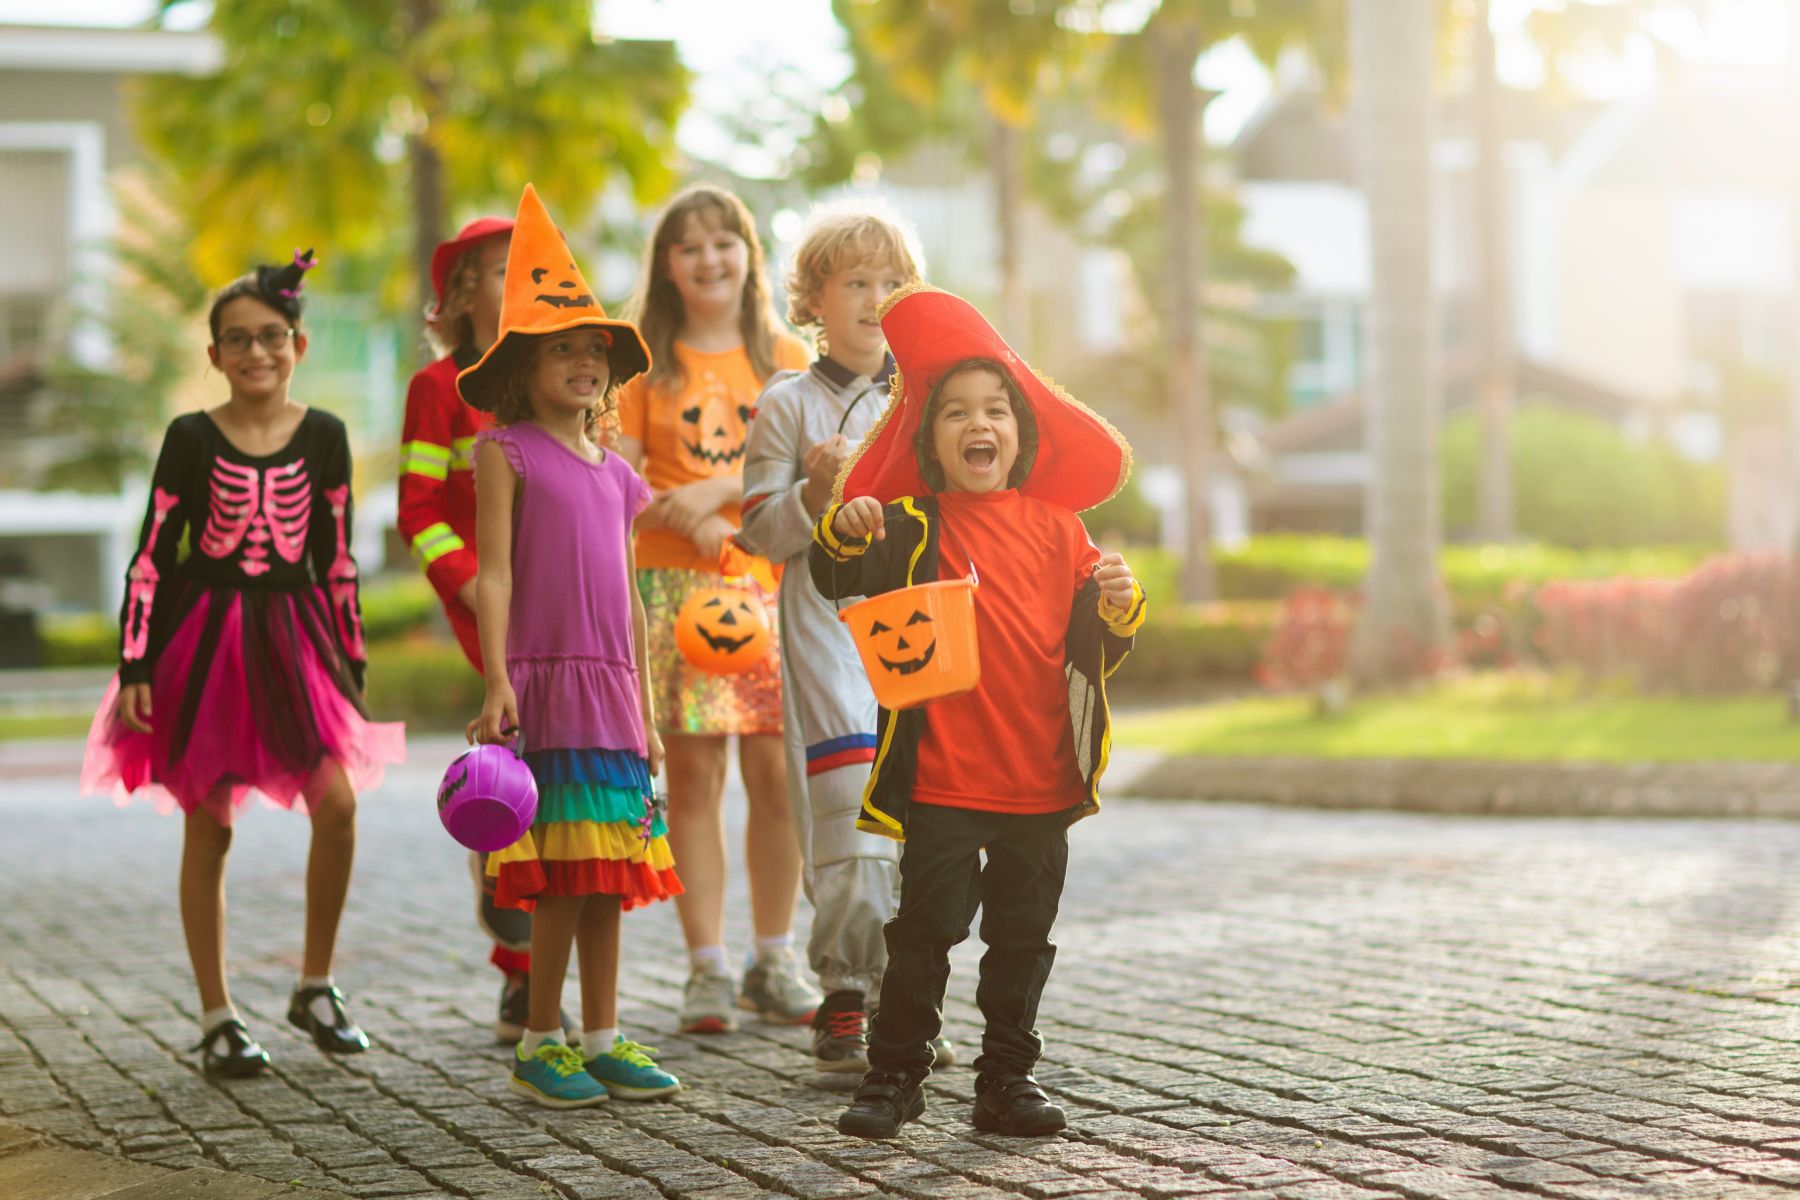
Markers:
{"x": 1007, "y": 745}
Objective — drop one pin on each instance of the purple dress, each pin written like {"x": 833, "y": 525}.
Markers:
{"x": 569, "y": 659}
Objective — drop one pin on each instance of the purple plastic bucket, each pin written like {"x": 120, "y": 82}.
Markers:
{"x": 488, "y": 798}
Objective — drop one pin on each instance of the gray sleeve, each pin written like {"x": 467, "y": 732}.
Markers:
{"x": 776, "y": 523}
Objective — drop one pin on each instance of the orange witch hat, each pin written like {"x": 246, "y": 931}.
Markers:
{"x": 545, "y": 293}
{"x": 1081, "y": 460}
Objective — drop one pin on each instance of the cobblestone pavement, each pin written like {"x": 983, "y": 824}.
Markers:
{"x": 1249, "y": 1002}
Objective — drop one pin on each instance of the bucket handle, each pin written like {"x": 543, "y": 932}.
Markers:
{"x": 837, "y": 603}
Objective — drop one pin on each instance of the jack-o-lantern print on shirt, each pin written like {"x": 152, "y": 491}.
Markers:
{"x": 695, "y": 428}
{"x": 714, "y": 426}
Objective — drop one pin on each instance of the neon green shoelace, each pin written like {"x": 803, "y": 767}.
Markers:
{"x": 564, "y": 1060}
{"x": 632, "y": 1052}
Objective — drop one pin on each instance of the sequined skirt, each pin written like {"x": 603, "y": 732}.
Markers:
{"x": 689, "y": 700}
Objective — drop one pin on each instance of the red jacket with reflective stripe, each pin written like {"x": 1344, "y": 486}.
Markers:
{"x": 437, "y": 483}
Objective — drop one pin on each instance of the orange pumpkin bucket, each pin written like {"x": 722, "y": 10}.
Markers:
{"x": 917, "y": 643}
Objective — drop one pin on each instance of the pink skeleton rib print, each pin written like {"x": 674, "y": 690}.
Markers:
{"x": 143, "y": 578}
{"x": 260, "y": 508}
{"x": 341, "y": 577}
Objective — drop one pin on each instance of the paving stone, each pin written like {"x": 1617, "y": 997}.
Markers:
{"x": 1247, "y": 1002}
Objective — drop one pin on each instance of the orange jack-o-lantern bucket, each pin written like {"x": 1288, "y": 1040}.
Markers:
{"x": 917, "y": 643}
{"x": 723, "y": 631}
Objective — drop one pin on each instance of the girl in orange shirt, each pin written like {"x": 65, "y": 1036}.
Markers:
{"x": 703, "y": 306}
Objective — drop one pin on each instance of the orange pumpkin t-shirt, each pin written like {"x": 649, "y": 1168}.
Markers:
{"x": 1007, "y": 746}
{"x": 697, "y": 432}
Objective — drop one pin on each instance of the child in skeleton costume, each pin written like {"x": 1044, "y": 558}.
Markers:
{"x": 977, "y": 469}
{"x": 241, "y": 652}
{"x": 849, "y": 260}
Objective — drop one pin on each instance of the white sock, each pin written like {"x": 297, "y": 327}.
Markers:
{"x": 321, "y": 1004}
{"x": 595, "y": 1042}
{"x": 772, "y": 947}
{"x": 534, "y": 1038}
{"x": 710, "y": 959}
{"x": 212, "y": 1018}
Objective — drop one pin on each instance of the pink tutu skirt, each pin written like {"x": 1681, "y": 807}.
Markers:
{"x": 249, "y": 696}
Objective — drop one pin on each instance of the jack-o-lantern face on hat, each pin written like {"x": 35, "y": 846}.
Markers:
{"x": 713, "y": 430}
{"x": 911, "y": 645}
{"x": 570, "y": 291}
{"x": 722, "y": 631}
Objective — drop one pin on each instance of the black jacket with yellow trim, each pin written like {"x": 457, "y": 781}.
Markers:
{"x": 907, "y": 554}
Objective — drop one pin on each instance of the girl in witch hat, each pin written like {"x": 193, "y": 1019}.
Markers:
{"x": 978, "y": 468}
{"x": 437, "y": 513}
{"x": 562, "y": 641}
{"x": 241, "y": 662}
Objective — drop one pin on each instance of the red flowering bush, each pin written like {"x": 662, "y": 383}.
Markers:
{"x": 1311, "y": 639}
{"x": 1725, "y": 626}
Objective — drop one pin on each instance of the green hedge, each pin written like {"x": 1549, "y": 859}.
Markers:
{"x": 424, "y": 680}
{"x": 393, "y": 605}
{"x": 1268, "y": 567}
{"x": 1212, "y": 643}
{"x": 79, "y": 640}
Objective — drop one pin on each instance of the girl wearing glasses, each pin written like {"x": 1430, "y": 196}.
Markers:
{"x": 241, "y": 653}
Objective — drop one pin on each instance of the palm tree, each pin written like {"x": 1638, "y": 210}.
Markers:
{"x": 1009, "y": 55}
{"x": 1404, "y": 624}
{"x": 1021, "y": 53}
{"x": 330, "y": 116}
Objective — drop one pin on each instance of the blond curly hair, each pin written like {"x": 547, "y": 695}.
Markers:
{"x": 839, "y": 237}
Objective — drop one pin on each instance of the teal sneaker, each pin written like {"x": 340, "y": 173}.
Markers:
{"x": 629, "y": 1074}
{"x": 553, "y": 1076}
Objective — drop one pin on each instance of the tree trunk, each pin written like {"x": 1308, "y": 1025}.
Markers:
{"x": 1009, "y": 212}
{"x": 1494, "y": 383}
{"x": 1190, "y": 400}
{"x": 1403, "y": 629}
{"x": 427, "y": 168}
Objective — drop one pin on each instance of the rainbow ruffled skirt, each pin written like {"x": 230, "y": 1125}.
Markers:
{"x": 599, "y": 831}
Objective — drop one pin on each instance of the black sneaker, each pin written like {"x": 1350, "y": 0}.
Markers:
{"x": 882, "y": 1105}
{"x": 515, "y": 1012}
{"x": 339, "y": 1035}
{"x": 231, "y": 1052}
{"x": 1016, "y": 1106}
{"x": 840, "y": 1039}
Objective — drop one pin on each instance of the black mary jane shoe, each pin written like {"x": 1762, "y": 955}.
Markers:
{"x": 1016, "y": 1106}
{"x": 231, "y": 1053}
{"x": 336, "y": 1036}
{"x": 881, "y": 1106}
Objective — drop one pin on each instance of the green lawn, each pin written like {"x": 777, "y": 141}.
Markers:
{"x": 17, "y": 728}
{"x": 1522, "y": 718}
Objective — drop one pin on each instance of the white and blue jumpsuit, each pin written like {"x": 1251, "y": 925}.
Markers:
{"x": 828, "y": 711}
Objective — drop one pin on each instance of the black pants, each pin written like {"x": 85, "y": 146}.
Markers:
{"x": 942, "y": 880}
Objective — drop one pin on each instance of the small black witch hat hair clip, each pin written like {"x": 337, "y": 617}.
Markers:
{"x": 285, "y": 281}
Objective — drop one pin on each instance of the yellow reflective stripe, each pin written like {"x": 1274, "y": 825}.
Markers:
{"x": 426, "y": 450}
{"x": 435, "y": 541}
{"x": 462, "y": 454}
{"x": 429, "y": 470}
{"x": 424, "y": 458}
